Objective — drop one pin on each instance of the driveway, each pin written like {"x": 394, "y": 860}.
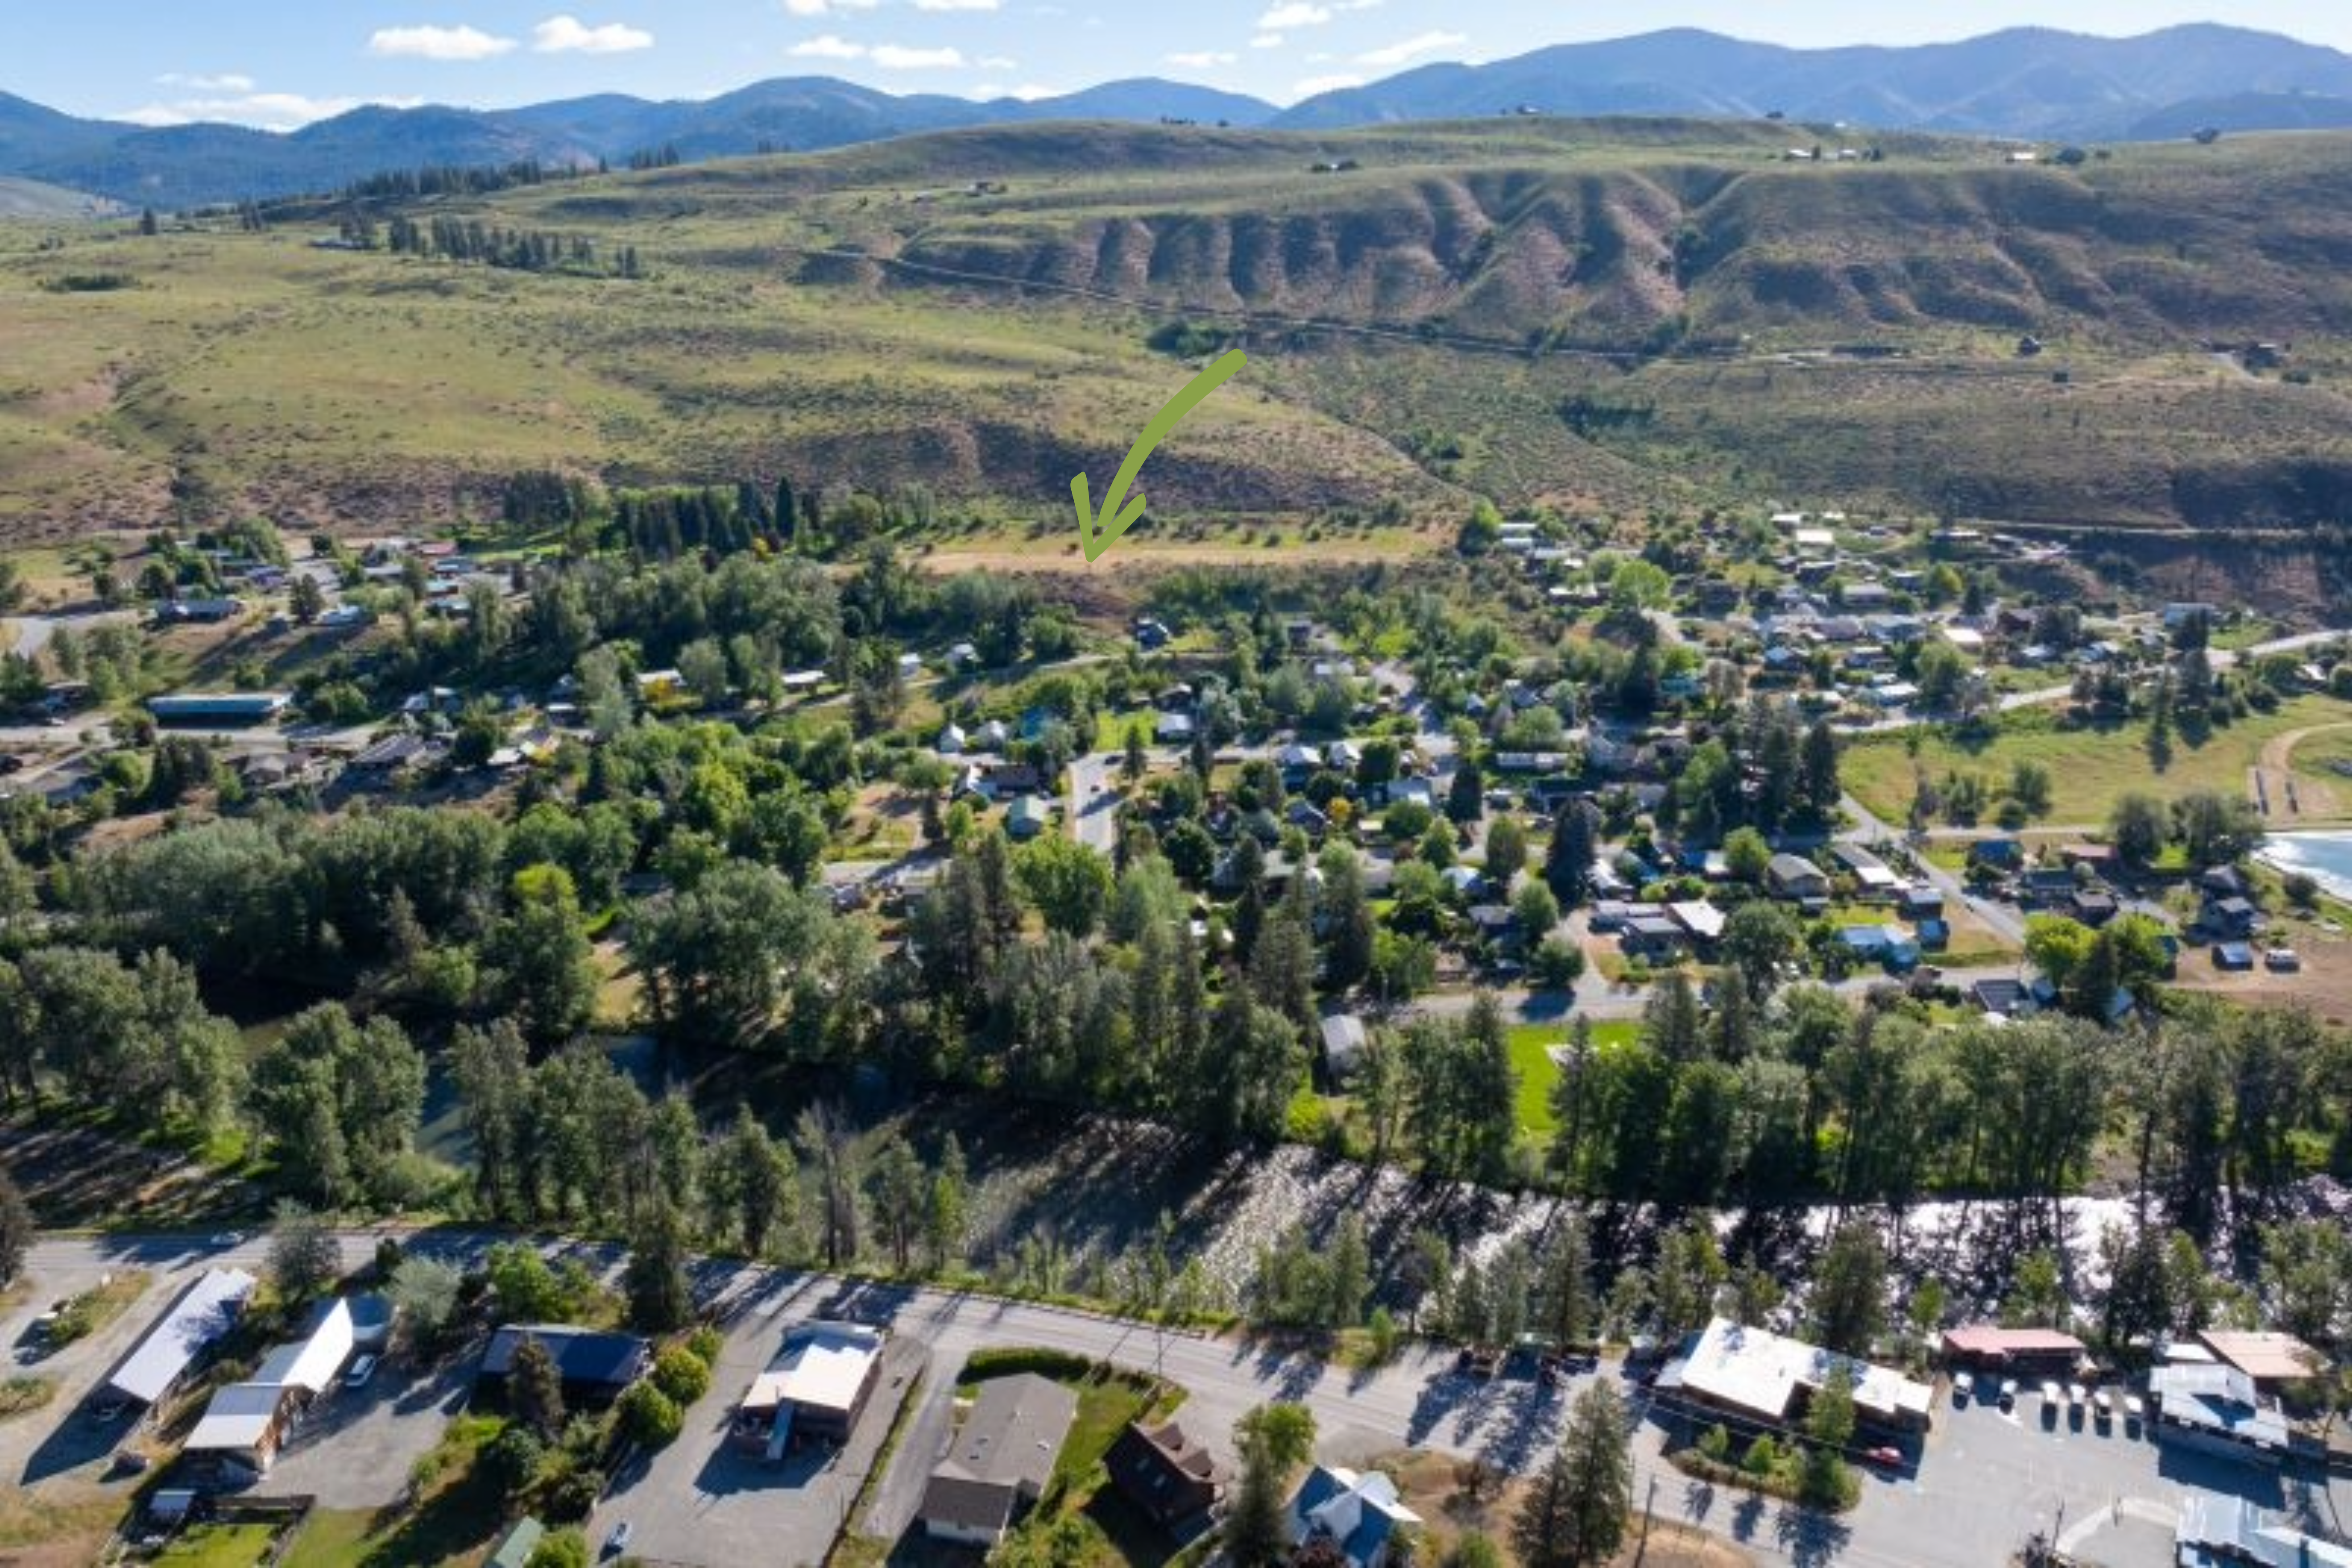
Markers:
{"x": 355, "y": 1448}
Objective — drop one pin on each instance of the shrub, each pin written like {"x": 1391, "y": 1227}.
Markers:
{"x": 1763, "y": 1455}
{"x": 648, "y": 1418}
{"x": 681, "y": 1376}
{"x": 561, "y": 1549}
{"x": 705, "y": 1344}
{"x": 1716, "y": 1443}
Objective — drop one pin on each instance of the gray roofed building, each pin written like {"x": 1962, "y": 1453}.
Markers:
{"x": 1343, "y": 1042}
{"x": 1000, "y": 1458}
{"x": 204, "y": 1312}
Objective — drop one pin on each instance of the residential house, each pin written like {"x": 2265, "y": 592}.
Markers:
{"x": 1654, "y": 939}
{"x": 595, "y": 1366}
{"x": 1360, "y": 1514}
{"x": 1170, "y": 1475}
{"x": 1796, "y": 877}
{"x": 1151, "y": 636}
{"x": 2094, "y": 906}
{"x": 245, "y": 1424}
{"x": 2231, "y": 918}
{"x": 1173, "y": 729}
{"x": 999, "y": 1460}
{"x": 1701, "y": 919}
{"x": 952, "y": 741}
{"x": 1344, "y": 1038}
{"x": 2046, "y": 888}
{"x": 1028, "y": 817}
{"x": 1871, "y": 874}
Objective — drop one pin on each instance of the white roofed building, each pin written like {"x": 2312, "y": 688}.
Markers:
{"x": 1767, "y": 1377}
{"x": 817, "y": 1386}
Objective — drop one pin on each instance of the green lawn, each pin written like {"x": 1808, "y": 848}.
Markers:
{"x": 331, "y": 1538}
{"x": 2089, "y": 767}
{"x": 1537, "y": 1073}
{"x": 219, "y": 1546}
{"x": 457, "y": 1515}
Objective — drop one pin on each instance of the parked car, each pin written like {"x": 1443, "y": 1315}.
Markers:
{"x": 618, "y": 1542}
{"x": 361, "y": 1370}
{"x": 2102, "y": 1408}
{"x": 1885, "y": 1457}
{"x": 1963, "y": 1386}
{"x": 228, "y": 1239}
{"x": 2009, "y": 1393}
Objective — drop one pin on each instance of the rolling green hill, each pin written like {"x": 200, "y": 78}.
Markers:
{"x": 1613, "y": 314}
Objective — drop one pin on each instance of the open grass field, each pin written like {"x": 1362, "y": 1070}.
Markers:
{"x": 1530, "y": 1044}
{"x": 2089, "y": 767}
{"x": 874, "y": 317}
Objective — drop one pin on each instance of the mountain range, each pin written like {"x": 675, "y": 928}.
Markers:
{"x": 2035, "y": 83}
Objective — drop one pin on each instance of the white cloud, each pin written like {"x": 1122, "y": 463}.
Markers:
{"x": 428, "y": 43}
{"x": 826, "y": 46}
{"x": 826, "y": 7}
{"x": 260, "y": 110}
{"x": 957, "y": 5}
{"x": 1396, "y": 54}
{"x": 1313, "y": 85}
{"x": 1202, "y": 60}
{"x": 227, "y": 82}
{"x": 1295, "y": 14}
{"x": 997, "y": 63}
{"x": 564, "y": 34}
{"x": 1266, "y": 41}
{"x": 900, "y": 58}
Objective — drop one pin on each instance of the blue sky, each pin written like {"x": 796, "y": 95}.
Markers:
{"x": 281, "y": 63}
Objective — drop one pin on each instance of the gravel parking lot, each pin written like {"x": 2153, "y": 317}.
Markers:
{"x": 355, "y": 1446}
{"x": 700, "y": 1504}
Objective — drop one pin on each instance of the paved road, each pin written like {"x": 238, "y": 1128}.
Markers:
{"x": 1985, "y": 1480}
{"x": 1092, "y": 812}
{"x": 2004, "y": 920}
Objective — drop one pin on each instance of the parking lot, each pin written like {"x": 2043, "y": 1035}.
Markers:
{"x": 353, "y": 1448}
{"x": 701, "y": 1502}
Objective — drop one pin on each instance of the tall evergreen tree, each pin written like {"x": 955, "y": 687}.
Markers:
{"x": 1567, "y": 860}
{"x": 1575, "y": 1514}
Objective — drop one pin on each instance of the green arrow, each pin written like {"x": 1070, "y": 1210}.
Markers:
{"x": 1096, "y": 532}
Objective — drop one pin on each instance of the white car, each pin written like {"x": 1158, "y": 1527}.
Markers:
{"x": 1963, "y": 1386}
{"x": 361, "y": 1370}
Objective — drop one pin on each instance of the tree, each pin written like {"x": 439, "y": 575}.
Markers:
{"x": 900, "y": 1190}
{"x": 1507, "y": 850}
{"x": 647, "y": 1417}
{"x": 424, "y": 1291}
{"x": 16, "y": 1229}
{"x": 1747, "y": 855}
{"x": 1284, "y": 1433}
{"x": 1849, "y": 1289}
{"x": 535, "y": 1389}
{"x": 1575, "y": 1513}
{"x": 148, "y": 225}
{"x": 660, "y": 1299}
{"x": 2138, "y": 827}
{"x": 543, "y": 966}
{"x": 559, "y": 1549}
{"x": 1829, "y": 1427}
{"x": 823, "y": 1138}
{"x": 304, "y": 1257}
{"x": 1759, "y": 940}
{"x": 510, "y": 1462}
{"x": 1067, "y": 881}
{"x": 2215, "y": 829}
{"x": 1273, "y": 1440}
{"x": 1567, "y": 860}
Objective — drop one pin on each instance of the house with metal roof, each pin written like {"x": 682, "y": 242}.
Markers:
{"x": 204, "y": 1311}
{"x": 2216, "y": 1408}
{"x": 2220, "y": 1531}
{"x": 999, "y": 1461}
{"x": 1359, "y": 1514}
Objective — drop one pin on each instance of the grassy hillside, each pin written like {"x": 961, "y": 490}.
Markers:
{"x": 32, "y": 199}
{"x": 1617, "y": 314}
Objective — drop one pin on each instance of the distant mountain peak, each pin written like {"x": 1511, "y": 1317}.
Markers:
{"x": 2036, "y": 82}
